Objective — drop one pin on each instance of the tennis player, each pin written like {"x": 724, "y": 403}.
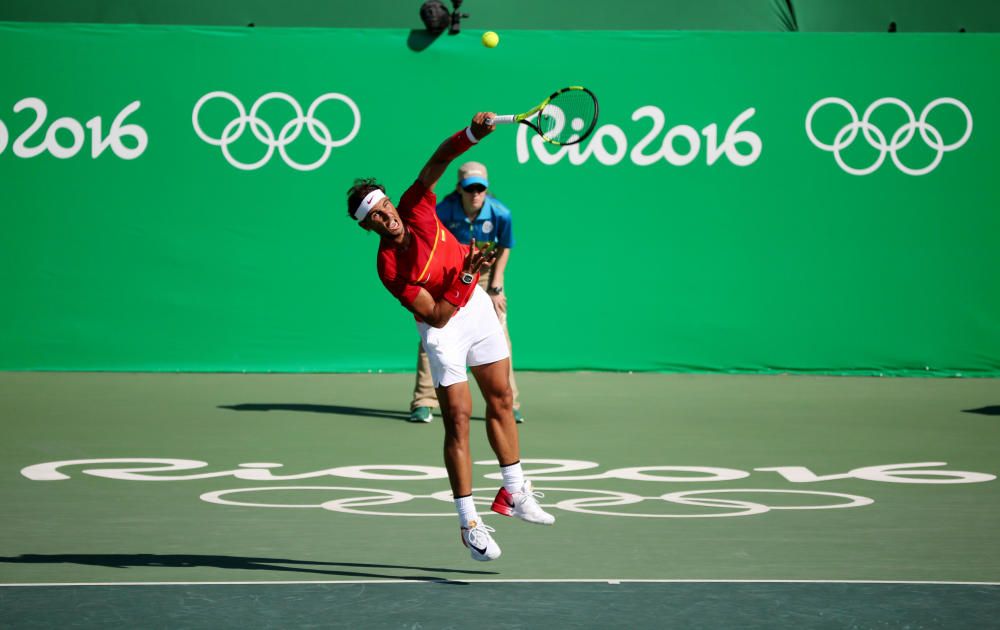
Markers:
{"x": 434, "y": 276}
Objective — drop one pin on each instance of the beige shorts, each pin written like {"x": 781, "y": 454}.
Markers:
{"x": 472, "y": 337}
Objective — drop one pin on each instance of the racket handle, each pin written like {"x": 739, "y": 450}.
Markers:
{"x": 501, "y": 120}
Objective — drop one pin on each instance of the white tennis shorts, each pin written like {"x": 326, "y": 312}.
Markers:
{"x": 473, "y": 336}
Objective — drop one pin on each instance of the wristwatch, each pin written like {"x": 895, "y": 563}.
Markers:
{"x": 495, "y": 290}
{"x": 467, "y": 278}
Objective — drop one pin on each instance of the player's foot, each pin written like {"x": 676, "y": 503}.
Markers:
{"x": 481, "y": 545}
{"x": 421, "y": 414}
{"x": 518, "y": 418}
{"x": 523, "y": 505}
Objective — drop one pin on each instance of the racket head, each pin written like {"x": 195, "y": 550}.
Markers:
{"x": 568, "y": 116}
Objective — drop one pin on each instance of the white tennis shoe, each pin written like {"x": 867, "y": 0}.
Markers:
{"x": 523, "y": 505}
{"x": 481, "y": 545}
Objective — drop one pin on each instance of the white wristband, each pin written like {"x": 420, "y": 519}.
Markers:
{"x": 468, "y": 134}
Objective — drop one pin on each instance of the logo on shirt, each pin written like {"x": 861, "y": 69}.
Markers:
{"x": 487, "y": 227}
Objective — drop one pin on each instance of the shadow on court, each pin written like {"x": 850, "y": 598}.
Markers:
{"x": 991, "y": 410}
{"x": 340, "y": 410}
{"x": 331, "y": 409}
{"x": 124, "y": 561}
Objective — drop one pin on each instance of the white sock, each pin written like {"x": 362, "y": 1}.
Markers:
{"x": 513, "y": 477}
{"x": 466, "y": 510}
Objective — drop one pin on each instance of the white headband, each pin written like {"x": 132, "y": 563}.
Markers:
{"x": 368, "y": 203}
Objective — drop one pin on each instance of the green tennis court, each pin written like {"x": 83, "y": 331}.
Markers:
{"x": 754, "y": 307}
{"x": 223, "y": 500}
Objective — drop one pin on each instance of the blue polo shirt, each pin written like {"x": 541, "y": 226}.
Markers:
{"x": 492, "y": 225}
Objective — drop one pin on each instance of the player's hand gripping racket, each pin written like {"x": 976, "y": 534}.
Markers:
{"x": 566, "y": 117}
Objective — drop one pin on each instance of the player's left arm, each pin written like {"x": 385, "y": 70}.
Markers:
{"x": 453, "y": 147}
{"x": 438, "y": 313}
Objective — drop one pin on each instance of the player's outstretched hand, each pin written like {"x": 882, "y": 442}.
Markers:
{"x": 479, "y": 127}
{"x": 477, "y": 260}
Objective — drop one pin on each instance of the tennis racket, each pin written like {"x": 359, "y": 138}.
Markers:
{"x": 566, "y": 117}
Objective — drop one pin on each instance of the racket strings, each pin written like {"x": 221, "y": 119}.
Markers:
{"x": 568, "y": 117}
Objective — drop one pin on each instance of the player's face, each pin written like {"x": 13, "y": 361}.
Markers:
{"x": 473, "y": 197}
{"x": 384, "y": 219}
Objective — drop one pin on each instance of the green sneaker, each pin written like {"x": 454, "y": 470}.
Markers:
{"x": 421, "y": 414}
{"x": 518, "y": 418}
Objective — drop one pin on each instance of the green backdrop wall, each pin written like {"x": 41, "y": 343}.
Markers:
{"x": 733, "y": 15}
{"x": 768, "y": 15}
{"x": 709, "y": 225}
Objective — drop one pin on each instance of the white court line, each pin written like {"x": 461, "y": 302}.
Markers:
{"x": 510, "y": 581}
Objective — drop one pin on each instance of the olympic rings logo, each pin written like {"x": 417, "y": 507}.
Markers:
{"x": 900, "y": 138}
{"x": 265, "y": 134}
{"x": 604, "y": 499}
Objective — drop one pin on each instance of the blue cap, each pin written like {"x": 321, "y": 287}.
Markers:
{"x": 472, "y": 173}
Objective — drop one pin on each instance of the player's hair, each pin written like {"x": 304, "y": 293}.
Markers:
{"x": 357, "y": 192}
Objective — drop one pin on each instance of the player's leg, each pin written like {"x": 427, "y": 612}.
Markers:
{"x": 446, "y": 351}
{"x": 456, "y": 409}
{"x": 516, "y": 497}
{"x": 500, "y": 427}
{"x": 489, "y": 358}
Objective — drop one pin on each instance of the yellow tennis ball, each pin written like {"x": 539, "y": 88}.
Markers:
{"x": 490, "y": 39}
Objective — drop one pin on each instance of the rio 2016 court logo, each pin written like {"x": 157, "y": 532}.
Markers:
{"x": 265, "y": 134}
{"x": 884, "y": 143}
{"x": 363, "y": 500}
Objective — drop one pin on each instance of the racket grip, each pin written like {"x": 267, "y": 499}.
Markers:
{"x": 501, "y": 120}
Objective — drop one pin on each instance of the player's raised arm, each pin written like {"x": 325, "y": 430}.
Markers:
{"x": 453, "y": 147}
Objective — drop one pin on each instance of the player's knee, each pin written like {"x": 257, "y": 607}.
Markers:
{"x": 501, "y": 400}
{"x": 456, "y": 423}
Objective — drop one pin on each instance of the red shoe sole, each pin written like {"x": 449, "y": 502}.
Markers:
{"x": 504, "y": 503}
